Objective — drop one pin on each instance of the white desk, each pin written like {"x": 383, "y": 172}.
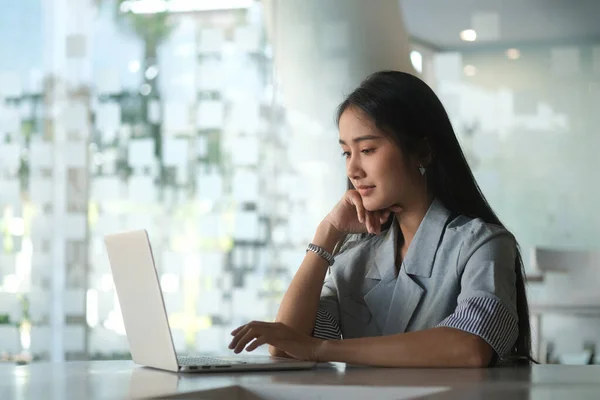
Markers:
{"x": 122, "y": 379}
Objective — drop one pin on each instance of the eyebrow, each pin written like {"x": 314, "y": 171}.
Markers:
{"x": 361, "y": 138}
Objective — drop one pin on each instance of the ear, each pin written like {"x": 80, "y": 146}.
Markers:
{"x": 425, "y": 154}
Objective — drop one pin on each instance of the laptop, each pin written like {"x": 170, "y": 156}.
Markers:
{"x": 145, "y": 316}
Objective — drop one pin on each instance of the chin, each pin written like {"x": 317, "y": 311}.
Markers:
{"x": 372, "y": 205}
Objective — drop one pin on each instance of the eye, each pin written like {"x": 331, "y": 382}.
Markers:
{"x": 367, "y": 151}
{"x": 346, "y": 154}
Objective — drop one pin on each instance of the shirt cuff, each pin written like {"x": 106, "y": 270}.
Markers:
{"x": 326, "y": 327}
{"x": 487, "y": 318}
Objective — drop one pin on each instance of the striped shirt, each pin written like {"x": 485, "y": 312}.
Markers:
{"x": 482, "y": 316}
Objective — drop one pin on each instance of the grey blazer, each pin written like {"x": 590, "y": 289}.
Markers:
{"x": 458, "y": 272}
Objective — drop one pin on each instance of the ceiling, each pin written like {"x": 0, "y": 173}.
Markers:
{"x": 439, "y": 22}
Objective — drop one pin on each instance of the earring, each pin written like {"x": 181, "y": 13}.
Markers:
{"x": 422, "y": 169}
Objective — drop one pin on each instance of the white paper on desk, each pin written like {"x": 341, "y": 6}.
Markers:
{"x": 154, "y": 111}
{"x": 247, "y": 38}
{"x": 40, "y": 154}
{"x": 142, "y": 189}
{"x": 210, "y": 76}
{"x": 175, "y": 152}
{"x": 10, "y": 84}
{"x": 565, "y": 60}
{"x": 10, "y": 119}
{"x": 448, "y": 66}
{"x": 245, "y": 186}
{"x": 176, "y": 118}
{"x": 246, "y": 225}
{"x": 74, "y": 227}
{"x": 209, "y": 114}
{"x": 108, "y": 117}
{"x": 74, "y": 337}
{"x": 245, "y": 151}
{"x": 40, "y": 190}
{"x": 209, "y": 187}
{"x": 109, "y": 82}
{"x": 141, "y": 152}
{"x": 211, "y": 41}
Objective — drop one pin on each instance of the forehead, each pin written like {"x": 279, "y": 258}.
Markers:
{"x": 354, "y": 123}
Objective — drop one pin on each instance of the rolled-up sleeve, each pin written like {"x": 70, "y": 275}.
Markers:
{"x": 327, "y": 324}
{"x": 486, "y": 305}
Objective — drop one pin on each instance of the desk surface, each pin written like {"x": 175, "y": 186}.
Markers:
{"x": 123, "y": 379}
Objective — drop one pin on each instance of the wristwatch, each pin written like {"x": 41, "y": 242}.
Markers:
{"x": 321, "y": 252}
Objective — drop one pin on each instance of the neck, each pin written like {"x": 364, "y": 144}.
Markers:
{"x": 410, "y": 218}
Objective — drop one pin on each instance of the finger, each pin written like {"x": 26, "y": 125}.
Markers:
{"x": 360, "y": 210}
{"x": 238, "y": 336}
{"x": 247, "y": 338}
{"x": 384, "y": 216}
{"x": 236, "y": 330}
{"x": 257, "y": 342}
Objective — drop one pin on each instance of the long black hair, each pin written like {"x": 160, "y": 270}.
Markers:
{"x": 408, "y": 112}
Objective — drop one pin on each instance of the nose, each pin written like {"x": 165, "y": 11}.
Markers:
{"x": 354, "y": 169}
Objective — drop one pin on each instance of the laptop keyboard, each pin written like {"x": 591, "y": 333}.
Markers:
{"x": 205, "y": 360}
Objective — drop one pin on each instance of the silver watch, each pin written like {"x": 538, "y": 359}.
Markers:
{"x": 321, "y": 252}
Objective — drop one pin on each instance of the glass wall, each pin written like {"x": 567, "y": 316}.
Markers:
{"x": 183, "y": 121}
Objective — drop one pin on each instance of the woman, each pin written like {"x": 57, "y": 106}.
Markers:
{"x": 433, "y": 280}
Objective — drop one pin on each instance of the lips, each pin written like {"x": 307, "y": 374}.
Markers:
{"x": 365, "y": 190}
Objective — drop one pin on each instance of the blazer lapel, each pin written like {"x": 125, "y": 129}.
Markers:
{"x": 407, "y": 293}
{"x": 383, "y": 270}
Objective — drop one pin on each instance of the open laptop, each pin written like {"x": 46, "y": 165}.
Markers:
{"x": 145, "y": 316}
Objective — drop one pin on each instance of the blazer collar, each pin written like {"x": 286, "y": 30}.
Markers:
{"x": 421, "y": 252}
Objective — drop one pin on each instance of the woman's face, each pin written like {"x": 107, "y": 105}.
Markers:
{"x": 377, "y": 167}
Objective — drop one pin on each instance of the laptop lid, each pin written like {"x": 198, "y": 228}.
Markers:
{"x": 141, "y": 300}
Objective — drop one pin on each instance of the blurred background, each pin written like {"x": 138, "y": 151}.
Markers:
{"x": 210, "y": 123}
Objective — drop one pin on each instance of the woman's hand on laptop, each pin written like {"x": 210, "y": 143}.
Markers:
{"x": 256, "y": 333}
